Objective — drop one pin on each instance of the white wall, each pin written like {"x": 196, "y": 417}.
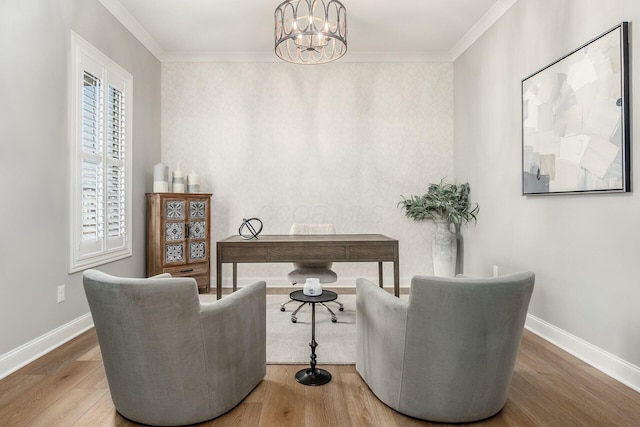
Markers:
{"x": 34, "y": 160}
{"x": 583, "y": 248}
{"x": 336, "y": 143}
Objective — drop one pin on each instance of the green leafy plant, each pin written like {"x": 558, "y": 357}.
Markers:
{"x": 449, "y": 202}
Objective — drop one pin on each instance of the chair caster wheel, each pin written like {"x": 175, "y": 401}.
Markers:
{"x": 341, "y": 309}
{"x": 334, "y": 320}
{"x": 294, "y": 320}
{"x": 281, "y": 308}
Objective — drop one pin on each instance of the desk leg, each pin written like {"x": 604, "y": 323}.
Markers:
{"x": 380, "y": 274}
{"x": 235, "y": 277}
{"x": 218, "y": 280}
{"x": 396, "y": 277}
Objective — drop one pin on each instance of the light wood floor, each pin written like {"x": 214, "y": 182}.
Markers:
{"x": 67, "y": 387}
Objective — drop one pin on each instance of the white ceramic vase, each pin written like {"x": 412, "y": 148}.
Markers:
{"x": 444, "y": 250}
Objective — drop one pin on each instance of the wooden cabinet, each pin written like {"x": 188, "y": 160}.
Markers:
{"x": 179, "y": 236}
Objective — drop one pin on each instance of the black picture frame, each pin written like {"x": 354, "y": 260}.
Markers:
{"x": 576, "y": 132}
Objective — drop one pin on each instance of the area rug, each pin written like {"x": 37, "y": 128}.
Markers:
{"x": 288, "y": 343}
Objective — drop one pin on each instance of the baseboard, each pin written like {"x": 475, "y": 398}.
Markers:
{"x": 27, "y": 353}
{"x": 608, "y": 363}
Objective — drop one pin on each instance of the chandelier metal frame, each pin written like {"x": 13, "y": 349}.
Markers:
{"x": 310, "y": 31}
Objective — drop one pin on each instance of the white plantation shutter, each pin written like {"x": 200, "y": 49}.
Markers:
{"x": 101, "y": 161}
{"x": 92, "y": 201}
{"x": 116, "y": 226}
{"x": 91, "y": 165}
{"x": 115, "y": 157}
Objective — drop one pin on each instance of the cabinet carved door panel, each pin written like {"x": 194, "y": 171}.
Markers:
{"x": 178, "y": 235}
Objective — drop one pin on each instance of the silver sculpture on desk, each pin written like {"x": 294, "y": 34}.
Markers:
{"x": 254, "y": 225}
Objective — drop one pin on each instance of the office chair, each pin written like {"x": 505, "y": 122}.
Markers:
{"x": 321, "y": 270}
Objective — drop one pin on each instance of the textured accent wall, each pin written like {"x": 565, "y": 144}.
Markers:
{"x": 583, "y": 248}
{"x": 336, "y": 143}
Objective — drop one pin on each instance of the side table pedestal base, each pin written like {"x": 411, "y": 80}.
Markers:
{"x": 308, "y": 377}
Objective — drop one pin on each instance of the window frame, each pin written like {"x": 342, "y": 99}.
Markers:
{"x": 84, "y": 253}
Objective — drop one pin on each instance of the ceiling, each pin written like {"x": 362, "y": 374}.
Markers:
{"x": 243, "y": 30}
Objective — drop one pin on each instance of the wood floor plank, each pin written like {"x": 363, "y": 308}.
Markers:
{"x": 511, "y": 415}
{"x": 549, "y": 388}
{"x": 247, "y": 414}
{"x": 92, "y": 354}
{"x": 14, "y": 386}
{"x": 364, "y": 408}
{"x": 326, "y": 405}
{"x": 30, "y": 405}
{"x": 535, "y": 405}
{"x": 96, "y": 379}
{"x": 101, "y": 414}
{"x": 66, "y": 410}
{"x": 251, "y": 414}
{"x": 284, "y": 402}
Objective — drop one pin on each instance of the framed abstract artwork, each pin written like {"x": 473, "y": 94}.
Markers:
{"x": 575, "y": 120}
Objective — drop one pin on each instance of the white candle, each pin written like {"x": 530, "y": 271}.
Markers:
{"x": 193, "y": 178}
{"x": 160, "y": 187}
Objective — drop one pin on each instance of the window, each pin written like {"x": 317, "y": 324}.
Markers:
{"x": 100, "y": 123}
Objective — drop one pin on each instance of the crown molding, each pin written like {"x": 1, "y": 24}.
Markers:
{"x": 130, "y": 23}
{"x": 232, "y": 56}
{"x": 484, "y": 23}
{"x": 388, "y": 56}
{"x": 269, "y": 56}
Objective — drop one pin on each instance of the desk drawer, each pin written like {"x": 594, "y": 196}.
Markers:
{"x": 244, "y": 253}
{"x": 308, "y": 253}
{"x": 372, "y": 253}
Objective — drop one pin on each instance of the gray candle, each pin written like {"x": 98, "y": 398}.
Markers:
{"x": 193, "y": 183}
{"x": 160, "y": 178}
{"x": 178, "y": 184}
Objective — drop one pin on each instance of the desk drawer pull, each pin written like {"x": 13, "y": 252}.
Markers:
{"x": 188, "y": 270}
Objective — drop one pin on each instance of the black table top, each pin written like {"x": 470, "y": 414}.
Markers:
{"x": 325, "y": 296}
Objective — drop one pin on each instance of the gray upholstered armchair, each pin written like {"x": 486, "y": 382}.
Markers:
{"x": 447, "y": 354}
{"x": 169, "y": 359}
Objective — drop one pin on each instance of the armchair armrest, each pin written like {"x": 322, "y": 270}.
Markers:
{"x": 234, "y": 330}
{"x": 381, "y": 329}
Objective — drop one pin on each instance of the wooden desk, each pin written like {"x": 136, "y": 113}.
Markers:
{"x": 310, "y": 248}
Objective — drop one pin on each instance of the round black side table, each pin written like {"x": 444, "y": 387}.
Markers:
{"x": 313, "y": 375}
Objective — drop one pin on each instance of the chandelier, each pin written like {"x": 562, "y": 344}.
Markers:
{"x": 310, "y": 31}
